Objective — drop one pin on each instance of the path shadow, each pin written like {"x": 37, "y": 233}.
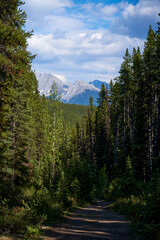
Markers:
{"x": 91, "y": 223}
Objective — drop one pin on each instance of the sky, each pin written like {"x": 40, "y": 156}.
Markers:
{"x": 86, "y": 40}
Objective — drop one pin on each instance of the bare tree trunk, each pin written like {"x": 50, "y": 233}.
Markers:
{"x": 53, "y": 148}
{"x": 116, "y": 136}
{"x": 124, "y": 129}
{"x": 150, "y": 144}
{"x": 155, "y": 145}
{"x": 158, "y": 132}
{"x": 133, "y": 127}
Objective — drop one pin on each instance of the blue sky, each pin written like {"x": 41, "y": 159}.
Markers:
{"x": 86, "y": 40}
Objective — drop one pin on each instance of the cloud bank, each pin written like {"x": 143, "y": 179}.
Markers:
{"x": 87, "y": 40}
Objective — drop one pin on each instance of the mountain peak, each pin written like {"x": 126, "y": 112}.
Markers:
{"x": 98, "y": 83}
{"x": 46, "y": 80}
{"x": 78, "y": 93}
{"x": 79, "y": 82}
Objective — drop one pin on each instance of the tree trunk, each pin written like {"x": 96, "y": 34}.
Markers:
{"x": 53, "y": 148}
{"x": 116, "y": 136}
{"x": 150, "y": 144}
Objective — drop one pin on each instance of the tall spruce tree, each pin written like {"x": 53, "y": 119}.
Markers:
{"x": 103, "y": 143}
{"x": 156, "y": 151}
{"x": 115, "y": 100}
{"x": 150, "y": 81}
{"x": 140, "y": 116}
{"x": 125, "y": 81}
{"x": 17, "y": 87}
{"x": 90, "y": 131}
{"x": 90, "y": 139}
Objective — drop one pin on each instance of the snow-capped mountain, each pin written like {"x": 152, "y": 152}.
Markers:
{"x": 77, "y": 93}
{"x": 78, "y": 89}
{"x": 46, "y": 80}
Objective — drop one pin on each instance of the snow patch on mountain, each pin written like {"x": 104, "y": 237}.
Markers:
{"x": 77, "y": 93}
{"x": 79, "y": 87}
{"x": 46, "y": 80}
{"x": 61, "y": 77}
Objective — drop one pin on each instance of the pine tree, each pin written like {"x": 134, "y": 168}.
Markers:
{"x": 90, "y": 131}
{"x": 114, "y": 115}
{"x": 157, "y": 103}
{"x": 90, "y": 139}
{"x": 125, "y": 81}
{"x": 150, "y": 81}
{"x": 17, "y": 87}
{"x": 140, "y": 116}
{"x": 103, "y": 144}
{"x": 54, "y": 107}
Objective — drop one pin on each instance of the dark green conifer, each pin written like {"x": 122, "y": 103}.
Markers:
{"x": 149, "y": 57}
{"x": 17, "y": 87}
{"x": 103, "y": 143}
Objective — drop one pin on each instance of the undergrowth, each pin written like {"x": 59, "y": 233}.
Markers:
{"x": 142, "y": 209}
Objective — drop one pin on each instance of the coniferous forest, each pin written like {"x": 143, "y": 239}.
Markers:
{"x": 47, "y": 167}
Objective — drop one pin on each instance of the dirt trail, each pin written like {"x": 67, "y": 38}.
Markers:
{"x": 94, "y": 222}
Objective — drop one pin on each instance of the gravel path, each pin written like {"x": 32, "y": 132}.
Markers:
{"x": 94, "y": 222}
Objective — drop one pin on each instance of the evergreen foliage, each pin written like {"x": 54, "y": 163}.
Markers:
{"x": 72, "y": 114}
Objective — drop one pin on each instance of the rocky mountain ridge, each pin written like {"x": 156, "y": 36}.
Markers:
{"x": 77, "y": 93}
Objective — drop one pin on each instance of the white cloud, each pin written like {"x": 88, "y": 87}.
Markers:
{"x": 96, "y": 36}
{"x": 49, "y": 4}
{"x": 109, "y": 10}
{"x": 63, "y": 23}
{"x": 93, "y": 43}
{"x": 77, "y": 43}
{"x": 76, "y": 73}
{"x": 142, "y": 9}
{"x": 88, "y": 51}
{"x": 46, "y": 47}
{"x": 128, "y": 11}
{"x": 135, "y": 19}
{"x": 38, "y": 10}
{"x": 88, "y": 6}
{"x": 100, "y": 9}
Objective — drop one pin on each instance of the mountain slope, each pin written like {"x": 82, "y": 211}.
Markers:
{"x": 80, "y": 92}
{"x": 77, "y": 93}
{"x": 83, "y": 98}
{"x": 46, "y": 80}
{"x": 73, "y": 113}
{"x": 98, "y": 84}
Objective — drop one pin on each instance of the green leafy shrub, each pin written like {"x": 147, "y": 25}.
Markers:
{"x": 32, "y": 234}
{"x": 45, "y": 203}
{"x": 150, "y": 218}
{"x": 114, "y": 189}
{"x": 132, "y": 207}
{"x": 102, "y": 183}
{"x": 144, "y": 213}
{"x": 17, "y": 219}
